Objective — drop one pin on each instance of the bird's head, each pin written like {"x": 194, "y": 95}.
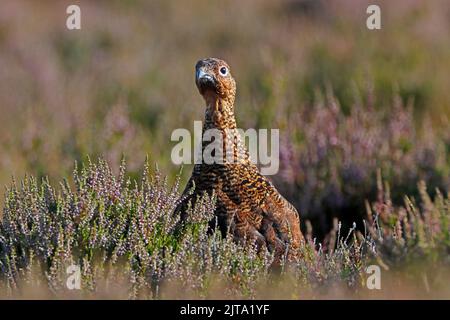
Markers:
{"x": 213, "y": 79}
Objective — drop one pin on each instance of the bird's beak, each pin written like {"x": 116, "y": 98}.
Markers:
{"x": 204, "y": 78}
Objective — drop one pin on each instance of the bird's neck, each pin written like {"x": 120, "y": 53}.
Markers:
{"x": 219, "y": 115}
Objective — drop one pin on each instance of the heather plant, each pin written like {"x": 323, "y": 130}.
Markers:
{"x": 329, "y": 159}
{"x": 128, "y": 244}
{"x": 107, "y": 220}
{"x": 350, "y": 161}
{"x": 123, "y": 84}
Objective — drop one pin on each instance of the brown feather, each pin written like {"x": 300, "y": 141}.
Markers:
{"x": 248, "y": 205}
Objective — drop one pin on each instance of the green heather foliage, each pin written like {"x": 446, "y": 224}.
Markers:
{"x": 127, "y": 241}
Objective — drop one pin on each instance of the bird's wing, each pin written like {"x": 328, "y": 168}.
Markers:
{"x": 262, "y": 213}
{"x": 280, "y": 225}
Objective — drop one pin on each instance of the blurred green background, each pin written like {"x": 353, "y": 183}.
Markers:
{"x": 125, "y": 81}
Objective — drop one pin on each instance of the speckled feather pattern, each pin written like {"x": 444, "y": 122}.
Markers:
{"x": 248, "y": 205}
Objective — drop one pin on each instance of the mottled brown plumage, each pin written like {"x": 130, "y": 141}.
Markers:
{"x": 248, "y": 205}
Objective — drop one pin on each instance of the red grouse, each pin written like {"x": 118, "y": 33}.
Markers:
{"x": 248, "y": 205}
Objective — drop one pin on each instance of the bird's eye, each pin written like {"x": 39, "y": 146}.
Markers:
{"x": 223, "y": 71}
